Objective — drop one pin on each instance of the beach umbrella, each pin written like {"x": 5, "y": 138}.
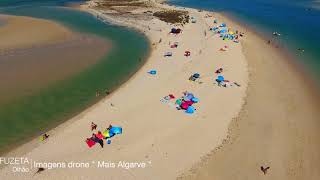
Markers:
{"x": 152, "y": 72}
{"x": 220, "y": 78}
{"x": 106, "y": 134}
{"x": 190, "y": 110}
{"x": 196, "y": 75}
{"x": 195, "y": 100}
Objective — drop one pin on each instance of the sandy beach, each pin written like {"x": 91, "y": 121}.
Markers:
{"x": 233, "y": 131}
{"x": 277, "y": 126}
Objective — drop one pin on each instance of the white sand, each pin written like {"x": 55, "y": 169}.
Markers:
{"x": 169, "y": 141}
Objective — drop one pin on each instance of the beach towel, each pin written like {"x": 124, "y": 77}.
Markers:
{"x": 171, "y": 96}
{"x": 90, "y": 143}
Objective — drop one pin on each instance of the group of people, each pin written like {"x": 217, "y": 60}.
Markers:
{"x": 96, "y": 137}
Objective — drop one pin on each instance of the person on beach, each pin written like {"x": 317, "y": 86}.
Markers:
{"x": 45, "y": 136}
{"x": 301, "y": 50}
{"x": 93, "y": 126}
{"x": 264, "y": 170}
{"x": 218, "y": 71}
{"x": 97, "y": 93}
{"x": 109, "y": 127}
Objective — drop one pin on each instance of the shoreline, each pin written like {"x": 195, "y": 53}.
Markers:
{"x": 230, "y": 126}
{"x": 219, "y": 163}
{"x": 31, "y": 63}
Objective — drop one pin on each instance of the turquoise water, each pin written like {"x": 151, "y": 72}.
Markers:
{"x": 29, "y": 116}
{"x": 298, "y": 21}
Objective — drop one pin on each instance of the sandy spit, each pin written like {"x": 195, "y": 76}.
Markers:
{"x": 170, "y": 142}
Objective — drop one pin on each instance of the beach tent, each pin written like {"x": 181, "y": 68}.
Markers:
{"x": 190, "y": 110}
{"x": 152, "y": 72}
{"x": 220, "y": 79}
{"x": 223, "y": 25}
{"x": 168, "y": 54}
{"x": 223, "y": 31}
{"x": 115, "y": 130}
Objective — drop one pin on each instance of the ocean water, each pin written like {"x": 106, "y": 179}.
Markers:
{"x": 298, "y": 21}
{"x": 29, "y": 116}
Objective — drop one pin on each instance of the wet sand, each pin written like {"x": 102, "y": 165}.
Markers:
{"x": 277, "y": 127}
{"x": 22, "y": 32}
{"x": 39, "y": 63}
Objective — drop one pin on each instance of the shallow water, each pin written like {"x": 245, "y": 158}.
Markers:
{"x": 298, "y": 21}
{"x": 27, "y": 116}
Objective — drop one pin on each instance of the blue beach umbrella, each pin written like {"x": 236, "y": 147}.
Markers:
{"x": 196, "y": 75}
{"x": 116, "y": 130}
{"x": 220, "y": 78}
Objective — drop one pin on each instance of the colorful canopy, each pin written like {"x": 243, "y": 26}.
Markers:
{"x": 190, "y": 110}
{"x": 184, "y": 105}
{"x": 115, "y": 130}
{"x": 220, "y": 78}
{"x": 195, "y": 100}
{"x": 179, "y": 102}
{"x": 152, "y": 72}
{"x": 106, "y": 134}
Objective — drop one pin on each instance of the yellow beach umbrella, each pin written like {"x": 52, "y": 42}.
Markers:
{"x": 106, "y": 134}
